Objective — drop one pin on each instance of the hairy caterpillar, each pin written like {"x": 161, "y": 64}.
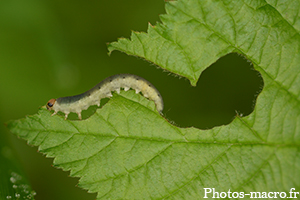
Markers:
{"x": 103, "y": 89}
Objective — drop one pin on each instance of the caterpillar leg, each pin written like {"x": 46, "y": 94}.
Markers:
{"x": 137, "y": 91}
{"x": 55, "y": 112}
{"x": 109, "y": 95}
{"x": 126, "y": 88}
{"x": 66, "y": 116}
{"x": 118, "y": 90}
{"x": 79, "y": 115}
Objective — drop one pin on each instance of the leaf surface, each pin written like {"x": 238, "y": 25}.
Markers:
{"x": 126, "y": 150}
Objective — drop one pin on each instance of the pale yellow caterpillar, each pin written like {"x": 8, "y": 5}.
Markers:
{"x": 102, "y": 90}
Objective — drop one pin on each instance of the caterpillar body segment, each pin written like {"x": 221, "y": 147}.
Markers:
{"x": 102, "y": 90}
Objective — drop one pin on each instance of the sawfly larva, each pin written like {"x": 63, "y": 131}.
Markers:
{"x": 103, "y": 89}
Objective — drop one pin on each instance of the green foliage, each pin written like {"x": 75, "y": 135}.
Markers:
{"x": 13, "y": 183}
{"x": 126, "y": 150}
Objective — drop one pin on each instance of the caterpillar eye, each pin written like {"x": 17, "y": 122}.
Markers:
{"x": 50, "y": 104}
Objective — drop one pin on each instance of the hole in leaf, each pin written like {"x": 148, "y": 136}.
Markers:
{"x": 226, "y": 88}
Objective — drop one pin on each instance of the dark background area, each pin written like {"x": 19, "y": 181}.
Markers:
{"x": 50, "y": 49}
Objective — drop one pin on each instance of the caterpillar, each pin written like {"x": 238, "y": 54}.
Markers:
{"x": 103, "y": 89}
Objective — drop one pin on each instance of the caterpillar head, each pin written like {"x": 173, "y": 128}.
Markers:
{"x": 50, "y": 104}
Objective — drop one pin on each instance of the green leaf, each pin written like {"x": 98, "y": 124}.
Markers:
{"x": 126, "y": 150}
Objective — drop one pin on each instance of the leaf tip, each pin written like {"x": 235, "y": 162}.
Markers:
{"x": 10, "y": 124}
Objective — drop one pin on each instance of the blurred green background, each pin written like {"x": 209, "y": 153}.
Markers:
{"x": 50, "y": 49}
